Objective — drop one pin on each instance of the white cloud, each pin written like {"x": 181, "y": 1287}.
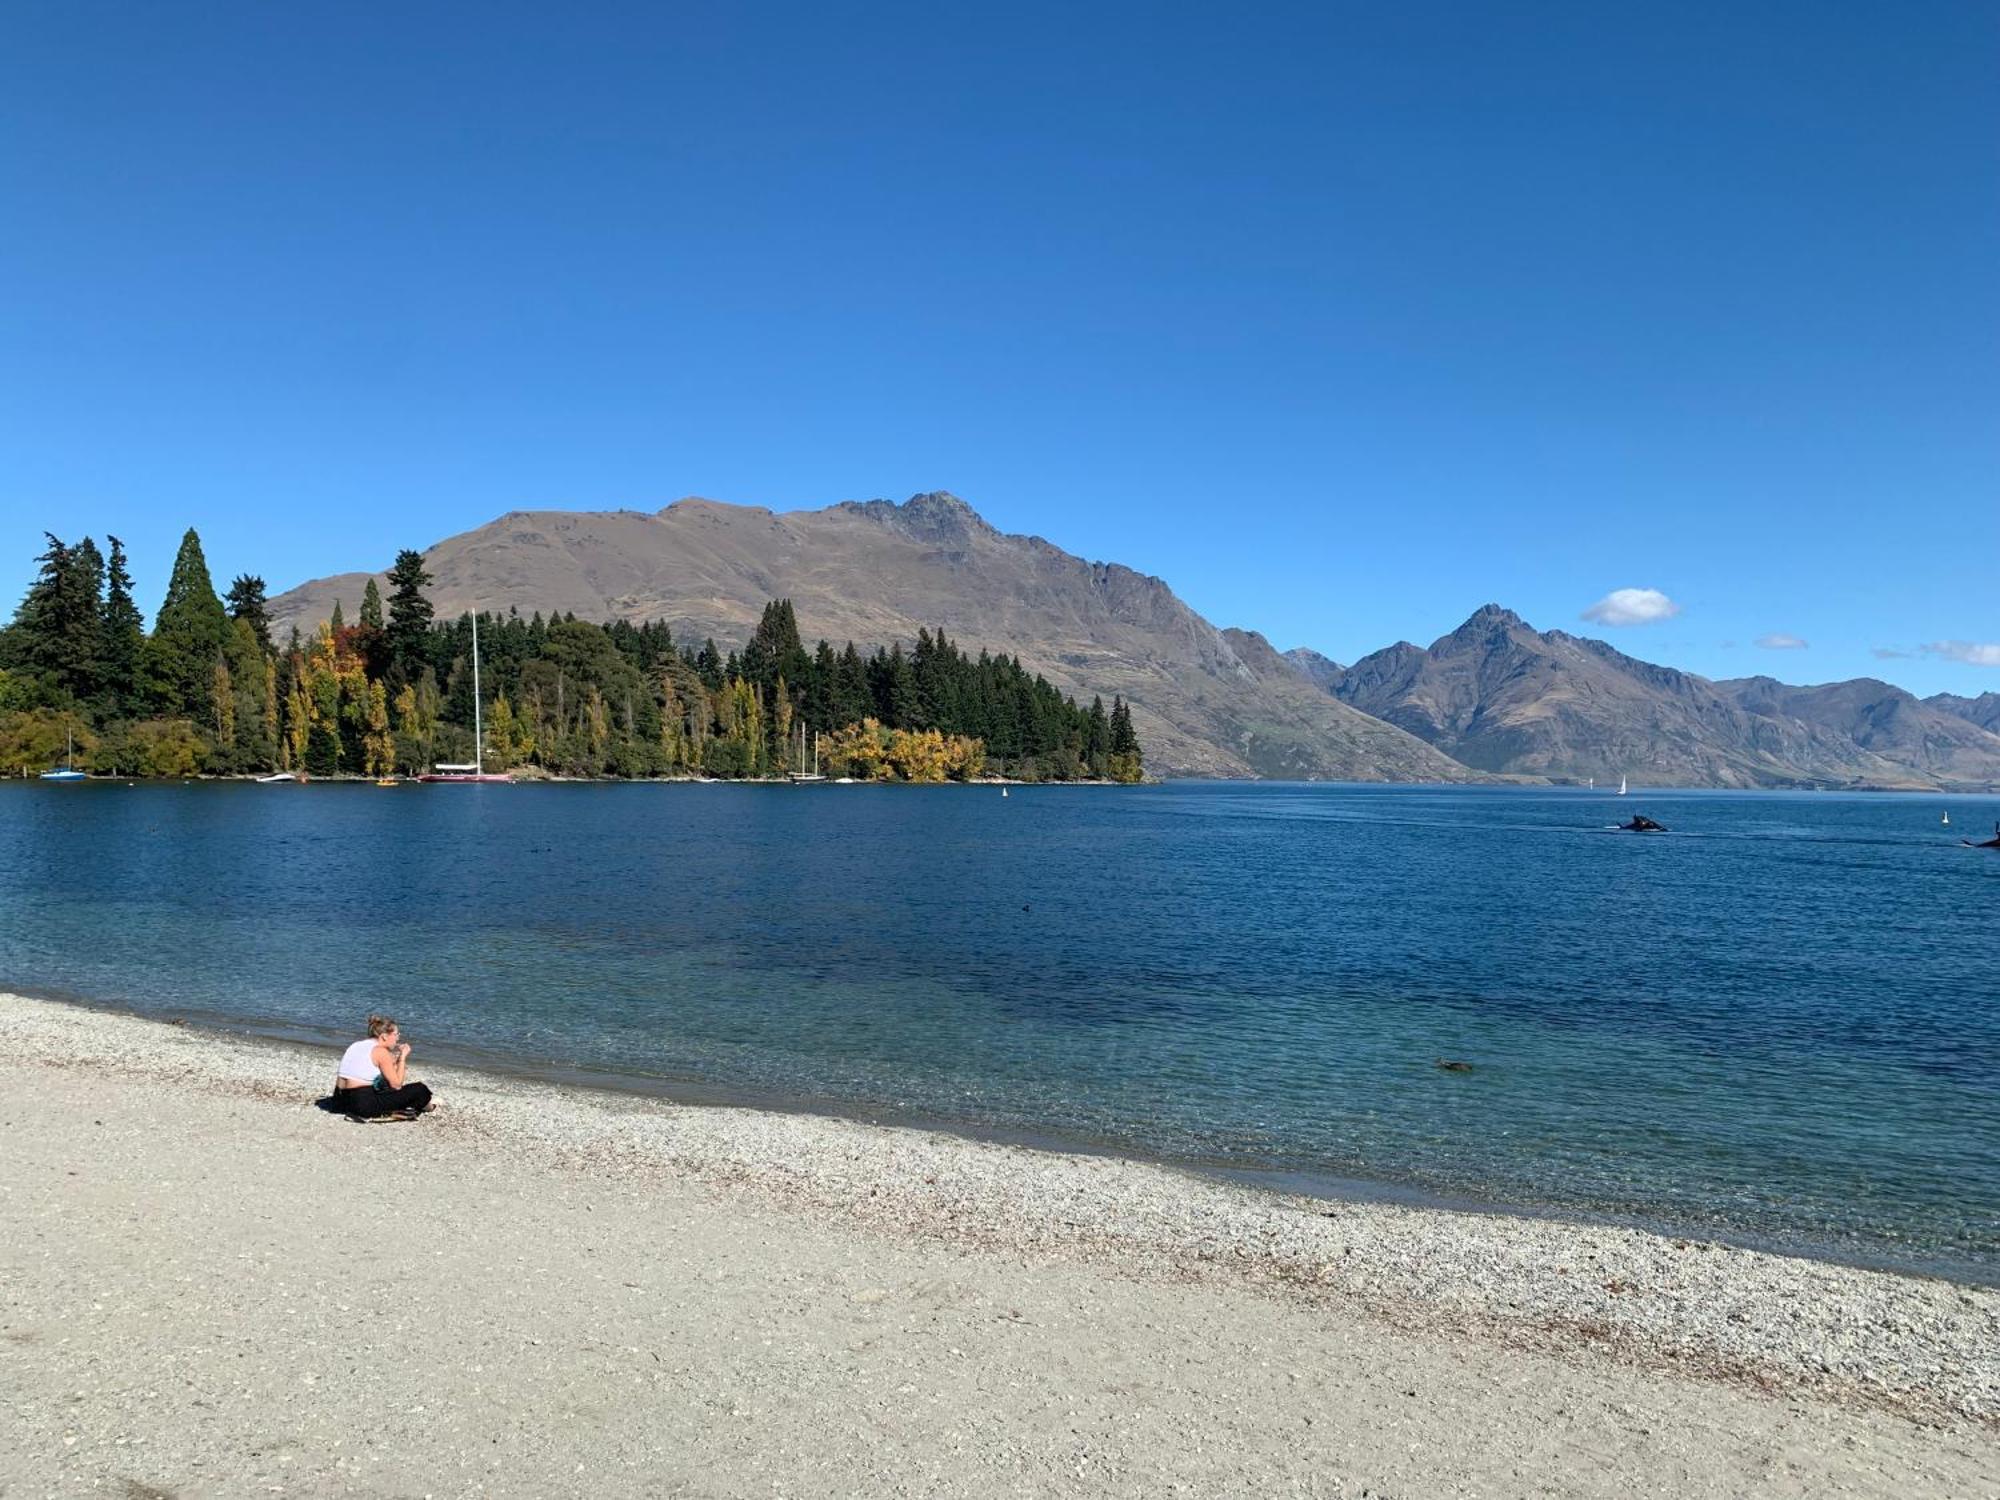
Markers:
{"x": 1777, "y": 640}
{"x": 1972, "y": 653}
{"x": 1632, "y": 607}
{"x": 1890, "y": 653}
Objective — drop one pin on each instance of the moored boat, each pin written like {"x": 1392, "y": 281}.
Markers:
{"x": 67, "y": 771}
{"x": 474, "y": 770}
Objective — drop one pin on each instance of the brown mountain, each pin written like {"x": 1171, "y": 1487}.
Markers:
{"x": 1983, "y": 710}
{"x": 1503, "y": 697}
{"x": 1205, "y": 702}
{"x": 1882, "y": 720}
{"x": 1321, "y": 671}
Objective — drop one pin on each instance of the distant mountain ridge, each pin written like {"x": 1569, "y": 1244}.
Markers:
{"x": 1494, "y": 698}
{"x": 1983, "y": 710}
{"x": 1505, "y": 698}
{"x": 1205, "y": 702}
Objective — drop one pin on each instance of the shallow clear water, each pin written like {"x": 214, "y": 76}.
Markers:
{"x": 1782, "y": 1019}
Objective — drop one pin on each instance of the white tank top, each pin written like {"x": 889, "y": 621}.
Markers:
{"x": 358, "y": 1061}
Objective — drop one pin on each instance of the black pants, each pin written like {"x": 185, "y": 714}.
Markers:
{"x": 369, "y": 1103}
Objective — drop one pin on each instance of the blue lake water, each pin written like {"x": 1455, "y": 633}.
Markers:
{"x": 1780, "y": 1021}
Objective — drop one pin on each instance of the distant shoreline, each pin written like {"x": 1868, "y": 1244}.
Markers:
{"x": 1498, "y": 783}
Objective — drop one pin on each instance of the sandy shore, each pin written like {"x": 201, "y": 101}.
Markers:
{"x": 207, "y": 1287}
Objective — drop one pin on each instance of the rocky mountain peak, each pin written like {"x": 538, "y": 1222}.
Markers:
{"x": 934, "y": 516}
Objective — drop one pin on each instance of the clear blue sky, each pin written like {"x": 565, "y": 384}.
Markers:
{"x": 1342, "y": 318}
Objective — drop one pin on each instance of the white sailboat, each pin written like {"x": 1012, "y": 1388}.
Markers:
{"x": 1621, "y": 786}
{"x": 802, "y": 774}
{"x": 476, "y": 771}
{"x": 1946, "y": 820}
{"x": 67, "y": 771}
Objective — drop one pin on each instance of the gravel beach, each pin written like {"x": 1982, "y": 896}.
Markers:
{"x": 210, "y": 1287}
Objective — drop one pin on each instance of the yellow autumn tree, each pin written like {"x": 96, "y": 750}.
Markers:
{"x": 858, "y": 750}
{"x": 378, "y": 745}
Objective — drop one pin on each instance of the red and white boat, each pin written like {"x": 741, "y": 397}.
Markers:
{"x": 469, "y": 772}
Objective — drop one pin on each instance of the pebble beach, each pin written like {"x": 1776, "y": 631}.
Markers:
{"x": 210, "y": 1286}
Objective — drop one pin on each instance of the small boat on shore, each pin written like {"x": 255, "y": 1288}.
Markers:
{"x": 276, "y": 776}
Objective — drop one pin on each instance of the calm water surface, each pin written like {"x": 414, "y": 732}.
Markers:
{"x": 1782, "y": 1020}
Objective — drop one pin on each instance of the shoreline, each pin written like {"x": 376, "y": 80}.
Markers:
{"x": 1482, "y": 781}
{"x": 1327, "y": 1187}
{"x": 1913, "y": 1347}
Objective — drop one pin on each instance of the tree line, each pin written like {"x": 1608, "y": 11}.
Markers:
{"x": 208, "y": 691}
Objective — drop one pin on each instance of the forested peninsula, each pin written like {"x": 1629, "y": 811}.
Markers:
{"x": 208, "y": 692}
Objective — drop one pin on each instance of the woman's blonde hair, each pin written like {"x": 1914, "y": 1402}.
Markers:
{"x": 379, "y": 1024}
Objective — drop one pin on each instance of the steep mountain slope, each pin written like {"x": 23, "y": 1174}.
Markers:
{"x": 1504, "y": 697}
{"x": 1883, "y": 720}
{"x": 1320, "y": 671}
{"x": 1204, "y": 702}
{"x": 1983, "y": 710}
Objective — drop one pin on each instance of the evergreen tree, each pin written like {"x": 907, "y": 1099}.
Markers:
{"x": 709, "y": 665}
{"x": 123, "y": 636}
{"x": 409, "y": 615}
{"x": 247, "y": 602}
{"x": 338, "y": 622}
{"x": 188, "y": 637}
{"x": 902, "y": 707}
{"x": 1097, "y": 738}
{"x": 371, "y": 607}
{"x": 58, "y": 630}
{"x": 252, "y": 745}
{"x": 822, "y": 682}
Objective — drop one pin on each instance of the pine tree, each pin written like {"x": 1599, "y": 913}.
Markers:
{"x": 371, "y": 607}
{"x": 247, "y": 602}
{"x": 255, "y": 739}
{"x": 123, "y": 633}
{"x": 409, "y": 616}
{"x": 708, "y": 663}
{"x": 339, "y": 621}
{"x": 58, "y": 630}
{"x": 1097, "y": 738}
{"x": 821, "y": 685}
{"x": 900, "y": 702}
{"x": 188, "y": 637}
{"x": 1127, "y": 761}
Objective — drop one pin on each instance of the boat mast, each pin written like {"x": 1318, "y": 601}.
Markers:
{"x": 478, "y": 723}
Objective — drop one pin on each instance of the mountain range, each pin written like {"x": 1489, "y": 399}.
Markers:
{"x": 1494, "y": 698}
{"x": 1204, "y": 702}
{"x": 1499, "y": 695}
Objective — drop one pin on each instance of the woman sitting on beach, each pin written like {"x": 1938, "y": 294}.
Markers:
{"x": 373, "y": 1075}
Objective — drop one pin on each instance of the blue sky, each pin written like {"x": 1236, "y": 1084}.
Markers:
{"x": 1344, "y": 319}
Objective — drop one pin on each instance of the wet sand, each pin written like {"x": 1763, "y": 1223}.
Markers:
{"x": 208, "y": 1286}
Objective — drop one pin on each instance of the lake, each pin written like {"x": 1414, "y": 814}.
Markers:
{"x": 1779, "y": 1022}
